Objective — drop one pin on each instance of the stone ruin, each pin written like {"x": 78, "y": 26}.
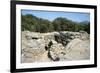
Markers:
{"x": 54, "y": 46}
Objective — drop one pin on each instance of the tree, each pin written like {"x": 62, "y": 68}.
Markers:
{"x": 32, "y": 23}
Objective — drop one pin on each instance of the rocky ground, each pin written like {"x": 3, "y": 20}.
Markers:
{"x": 54, "y": 46}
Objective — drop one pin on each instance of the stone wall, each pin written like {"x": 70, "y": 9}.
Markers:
{"x": 54, "y": 46}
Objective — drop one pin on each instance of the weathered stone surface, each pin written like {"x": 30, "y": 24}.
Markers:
{"x": 54, "y": 46}
{"x": 84, "y": 35}
{"x": 56, "y": 51}
{"x": 78, "y": 50}
{"x": 34, "y": 55}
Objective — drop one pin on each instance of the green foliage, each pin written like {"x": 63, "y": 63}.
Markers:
{"x": 33, "y": 23}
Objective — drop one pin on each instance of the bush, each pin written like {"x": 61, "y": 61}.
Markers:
{"x": 35, "y": 24}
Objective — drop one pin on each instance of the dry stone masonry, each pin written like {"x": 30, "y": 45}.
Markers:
{"x": 54, "y": 46}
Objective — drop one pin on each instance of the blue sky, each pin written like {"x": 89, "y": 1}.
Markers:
{"x": 51, "y": 15}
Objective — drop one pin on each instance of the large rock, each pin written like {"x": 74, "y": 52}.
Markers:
{"x": 56, "y": 52}
{"x": 32, "y": 40}
{"x": 78, "y": 50}
{"x": 31, "y": 35}
{"x": 65, "y": 46}
{"x": 84, "y": 35}
{"x": 65, "y": 37}
{"x": 34, "y": 55}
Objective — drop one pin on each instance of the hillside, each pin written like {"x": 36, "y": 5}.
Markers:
{"x": 36, "y": 24}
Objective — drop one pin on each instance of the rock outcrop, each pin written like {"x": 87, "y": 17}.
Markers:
{"x": 54, "y": 46}
{"x": 78, "y": 50}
